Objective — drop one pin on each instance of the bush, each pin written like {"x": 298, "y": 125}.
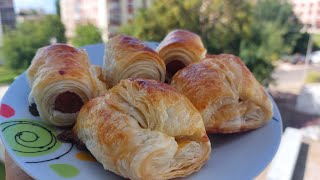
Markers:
{"x": 21, "y": 44}
{"x": 7, "y": 75}
{"x": 86, "y": 34}
{"x": 313, "y": 77}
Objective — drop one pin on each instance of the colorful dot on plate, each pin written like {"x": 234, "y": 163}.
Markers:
{"x": 65, "y": 170}
{"x": 85, "y": 156}
{"x": 6, "y": 111}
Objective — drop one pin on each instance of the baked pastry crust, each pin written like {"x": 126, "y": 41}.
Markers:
{"x": 143, "y": 129}
{"x": 179, "y": 49}
{"x": 127, "y": 57}
{"x": 59, "y": 69}
{"x": 226, "y": 94}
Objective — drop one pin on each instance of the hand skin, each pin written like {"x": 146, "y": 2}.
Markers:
{"x": 13, "y": 172}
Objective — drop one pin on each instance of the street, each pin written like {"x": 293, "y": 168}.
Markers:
{"x": 290, "y": 78}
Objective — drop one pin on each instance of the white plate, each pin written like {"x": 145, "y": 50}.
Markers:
{"x": 37, "y": 151}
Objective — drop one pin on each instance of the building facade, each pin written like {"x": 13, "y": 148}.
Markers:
{"x": 107, "y": 15}
{"x": 308, "y": 12}
{"x": 7, "y": 17}
{"x": 7, "y": 14}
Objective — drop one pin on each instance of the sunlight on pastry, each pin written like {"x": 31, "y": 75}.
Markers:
{"x": 226, "y": 94}
{"x": 144, "y": 129}
{"x": 127, "y": 57}
{"x": 61, "y": 80}
{"x": 179, "y": 49}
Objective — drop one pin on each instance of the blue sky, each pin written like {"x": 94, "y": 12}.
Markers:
{"x": 47, "y": 5}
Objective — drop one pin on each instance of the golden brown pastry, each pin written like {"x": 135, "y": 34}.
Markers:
{"x": 226, "y": 94}
{"x": 143, "y": 129}
{"x": 179, "y": 49}
{"x": 61, "y": 80}
{"x": 127, "y": 57}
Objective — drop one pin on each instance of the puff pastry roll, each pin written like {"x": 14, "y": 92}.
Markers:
{"x": 179, "y": 49}
{"x": 127, "y": 57}
{"x": 144, "y": 129}
{"x": 226, "y": 94}
{"x": 61, "y": 80}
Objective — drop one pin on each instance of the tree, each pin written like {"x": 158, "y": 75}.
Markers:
{"x": 155, "y": 22}
{"x": 304, "y": 41}
{"x": 257, "y": 31}
{"x": 273, "y": 31}
{"x": 214, "y": 20}
{"x": 86, "y": 34}
{"x": 224, "y": 23}
{"x": 21, "y": 44}
{"x": 51, "y": 26}
{"x": 58, "y": 10}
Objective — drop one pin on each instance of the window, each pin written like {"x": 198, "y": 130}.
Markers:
{"x": 130, "y": 6}
{"x": 318, "y": 23}
{"x": 115, "y": 12}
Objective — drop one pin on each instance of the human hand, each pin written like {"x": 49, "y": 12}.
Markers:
{"x": 13, "y": 171}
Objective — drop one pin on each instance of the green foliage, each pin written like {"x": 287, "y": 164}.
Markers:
{"x": 302, "y": 44}
{"x": 7, "y": 75}
{"x": 316, "y": 41}
{"x": 51, "y": 26}
{"x": 2, "y": 171}
{"x": 257, "y": 31}
{"x": 225, "y": 24}
{"x": 21, "y": 44}
{"x": 270, "y": 35}
{"x": 86, "y": 34}
{"x": 58, "y": 10}
{"x": 313, "y": 77}
{"x": 155, "y": 22}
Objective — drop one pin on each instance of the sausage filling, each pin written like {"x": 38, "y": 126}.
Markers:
{"x": 174, "y": 66}
{"x": 68, "y": 102}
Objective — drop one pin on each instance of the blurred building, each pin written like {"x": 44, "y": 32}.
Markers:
{"x": 30, "y": 15}
{"x": 7, "y": 17}
{"x": 308, "y": 12}
{"x": 107, "y": 15}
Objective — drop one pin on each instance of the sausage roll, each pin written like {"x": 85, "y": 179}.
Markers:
{"x": 127, "y": 57}
{"x": 61, "y": 80}
{"x": 179, "y": 49}
{"x": 226, "y": 94}
{"x": 144, "y": 129}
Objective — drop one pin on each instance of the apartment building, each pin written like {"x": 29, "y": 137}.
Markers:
{"x": 308, "y": 12}
{"x": 7, "y": 14}
{"x": 107, "y": 15}
{"x": 7, "y": 17}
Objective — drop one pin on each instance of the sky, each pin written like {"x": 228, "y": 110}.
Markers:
{"x": 47, "y": 5}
